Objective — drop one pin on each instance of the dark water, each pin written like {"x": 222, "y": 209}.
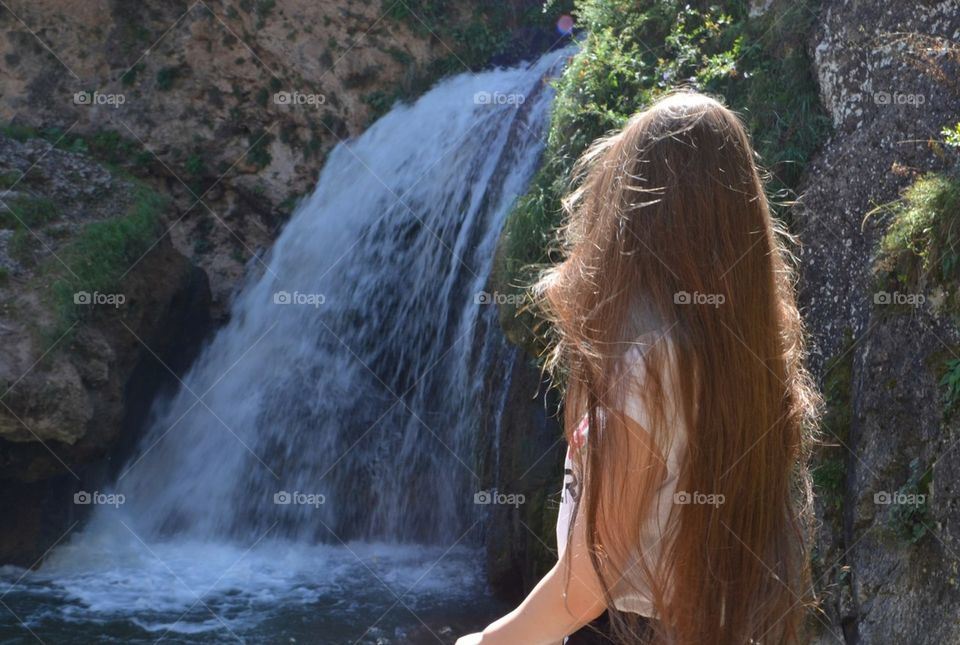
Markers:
{"x": 124, "y": 591}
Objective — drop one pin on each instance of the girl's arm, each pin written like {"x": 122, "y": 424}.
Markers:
{"x": 566, "y": 599}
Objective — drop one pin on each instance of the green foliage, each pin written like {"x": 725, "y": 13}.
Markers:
{"x": 950, "y": 381}
{"x": 28, "y": 211}
{"x": 259, "y": 153}
{"x": 165, "y": 78}
{"x": 18, "y": 132}
{"x": 952, "y": 136}
{"x": 830, "y": 464}
{"x": 380, "y": 102}
{"x": 130, "y": 76}
{"x": 921, "y": 242}
{"x": 472, "y": 36}
{"x": 910, "y": 516}
{"x": 400, "y": 56}
{"x": 106, "y": 146}
{"x": 8, "y": 179}
{"x": 22, "y": 245}
{"x": 194, "y": 165}
{"x": 289, "y": 204}
{"x": 774, "y": 91}
{"x": 101, "y": 253}
{"x": 829, "y": 478}
{"x": 758, "y": 65}
{"x": 196, "y": 170}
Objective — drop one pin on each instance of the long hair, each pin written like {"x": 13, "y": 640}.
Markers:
{"x": 669, "y": 233}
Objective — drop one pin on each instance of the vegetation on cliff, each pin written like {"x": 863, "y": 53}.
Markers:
{"x": 916, "y": 256}
{"x": 62, "y": 255}
{"x": 101, "y": 253}
{"x": 920, "y": 246}
{"x": 632, "y": 53}
{"x": 473, "y": 38}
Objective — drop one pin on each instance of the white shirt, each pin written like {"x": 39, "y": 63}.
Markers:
{"x": 654, "y": 531}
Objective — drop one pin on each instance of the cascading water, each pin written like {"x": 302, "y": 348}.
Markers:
{"x": 332, "y": 424}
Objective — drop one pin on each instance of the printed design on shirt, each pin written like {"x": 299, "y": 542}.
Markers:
{"x": 571, "y": 483}
{"x": 579, "y": 438}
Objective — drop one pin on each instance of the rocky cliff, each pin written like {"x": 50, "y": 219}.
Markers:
{"x": 230, "y": 107}
{"x": 85, "y": 348}
{"x": 889, "y": 571}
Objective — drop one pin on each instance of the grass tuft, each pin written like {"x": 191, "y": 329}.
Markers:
{"x": 100, "y": 254}
{"x": 27, "y": 211}
{"x": 922, "y": 243}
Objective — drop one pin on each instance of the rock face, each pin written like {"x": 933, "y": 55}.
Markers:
{"x": 519, "y": 538}
{"x": 888, "y": 75}
{"x": 230, "y": 107}
{"x": 72, "y": 386}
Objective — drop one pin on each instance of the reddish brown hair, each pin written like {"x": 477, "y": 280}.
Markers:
{"x": 670, "y": 231}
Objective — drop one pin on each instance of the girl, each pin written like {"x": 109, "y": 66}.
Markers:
{"x": 688, "y": 410}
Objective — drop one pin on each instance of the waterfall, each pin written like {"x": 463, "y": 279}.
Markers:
{"x": 342, "y": 399}
{"x": 312, "y": 479}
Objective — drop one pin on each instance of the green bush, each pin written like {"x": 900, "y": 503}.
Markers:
{"x": 259, "y": 152}
{"x": 105, "y": 146}
{"x": 18, "y": 132}
{"x": 758, "y": 65}
{"x": 28, "y": 211}
{"x": 951, "y": 136}
{"x": 950, "y": 382}
{"x": 921, "y": 246}
{"x": 194, "y": 166}
{"x": 101, "y": 253}
{"x": 471, "y": 36}
{"x": 8, "y": 179}
{"x": 911, "y": 520}
{"x": 166, "y": 77}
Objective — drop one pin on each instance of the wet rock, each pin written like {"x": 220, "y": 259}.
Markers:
{"x": 70, "y": 377}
